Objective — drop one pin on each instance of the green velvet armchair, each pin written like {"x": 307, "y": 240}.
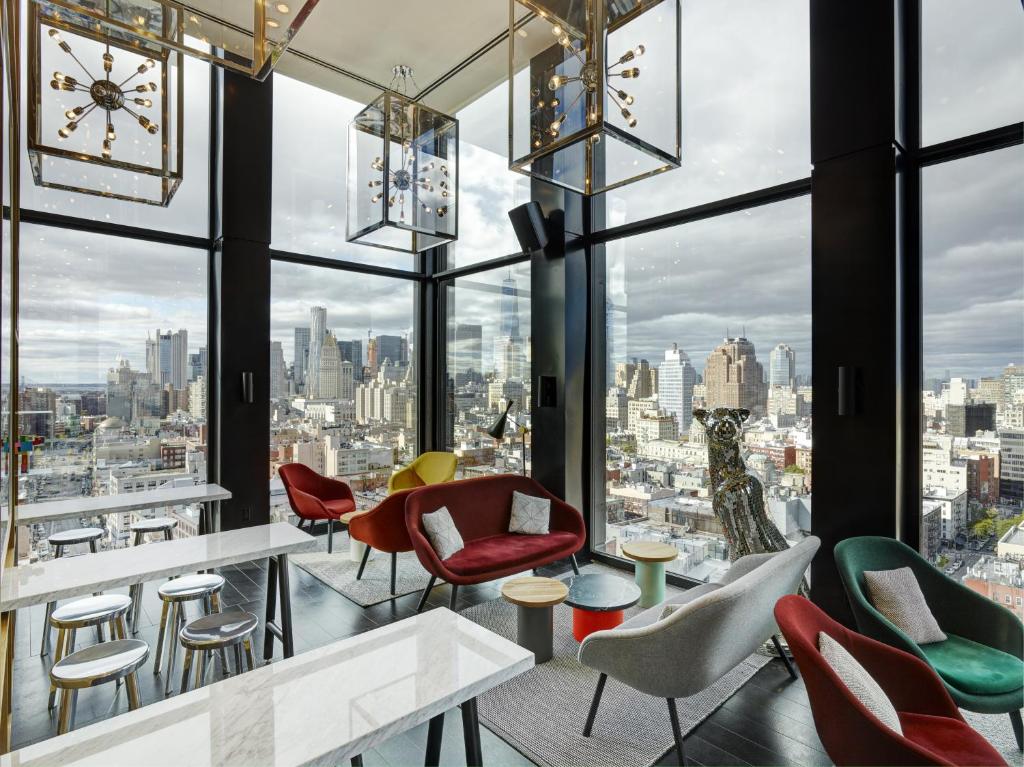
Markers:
{"x": 982, "y": 661}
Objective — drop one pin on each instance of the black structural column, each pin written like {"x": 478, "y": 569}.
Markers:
{"x": 240, "y": 299}
{"x": 558, "y": 305}
{"x": 854, "y": 281}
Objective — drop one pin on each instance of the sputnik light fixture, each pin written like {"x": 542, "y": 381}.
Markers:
{"x": 594, "y": 91}
{"x": 402, "y": 172}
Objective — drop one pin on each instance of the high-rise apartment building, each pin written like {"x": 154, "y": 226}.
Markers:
{"x": 197, "y": 398}
{"x": 734, "y": 378}
{"x": 300, "y": 355}
{"x": 278, "y": 377}
{"x": 782, "y": 367}
{"x": 676, "y": 379}
{"x": 1011, "y": 464}
{"x": 643, "y": 383}
{"x": 317, "y": 330}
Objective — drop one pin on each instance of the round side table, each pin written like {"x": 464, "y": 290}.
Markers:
{"x": 355, "y": 548}
{"x": 650, "y": 558}
{"x": 598, "y": 602}
{"x": 534, "y": 597}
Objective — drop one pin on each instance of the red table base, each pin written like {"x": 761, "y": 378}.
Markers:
{"x": 586, "y": 622}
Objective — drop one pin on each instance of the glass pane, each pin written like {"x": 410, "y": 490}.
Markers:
{"x": 489, "y": 366}
{"x": 488, "y": 190}
{"x": 112, "y": 394}
{"x": 972, "y": 67}
{"x": 973, "y": 398}
{"x": 745, "y": 107}
{"x": 310, "y": 153}
{"x": 342, "y": 376}
{"x": 713, "y": 314}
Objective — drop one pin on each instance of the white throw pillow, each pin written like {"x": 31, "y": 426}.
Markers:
{"x": 443, "y": 534}
{"x": 859, "y": 681}
{"x": 530, "y": 514}
{"x": 897, "y": 595}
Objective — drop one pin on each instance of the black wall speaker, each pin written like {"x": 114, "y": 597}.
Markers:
{"x": 528, "y": 223}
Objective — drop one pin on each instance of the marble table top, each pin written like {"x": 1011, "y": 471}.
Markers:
{"x": 318, "y": 708}
{"x": 91, "y": 506}
{"x": 601, "y": 593}
{"x": 67, "y": 577}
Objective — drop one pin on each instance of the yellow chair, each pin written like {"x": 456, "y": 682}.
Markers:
{"x": 428, "y": 469}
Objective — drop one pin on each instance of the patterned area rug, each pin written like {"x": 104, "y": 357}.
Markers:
{"x": 541, "y": 713}
{"x": 339, "y": 572}
{"x": 997, "y": 730}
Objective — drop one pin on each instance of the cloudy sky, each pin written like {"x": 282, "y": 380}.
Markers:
{"x": 87, "y": 299}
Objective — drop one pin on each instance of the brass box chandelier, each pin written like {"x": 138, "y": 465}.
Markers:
{"x": 104, "y": 114}
{"x": 247, "y": 36}
{"x": 594, "y": 91}
{"x": 403, "y": 174}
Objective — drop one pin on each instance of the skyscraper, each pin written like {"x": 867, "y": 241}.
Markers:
{"x": 782, "y": 367}
{"x": 317, "y": 329}
{"x": 352, "y": 351}
{"x": 642, "y": 383}
{"x": 179, "y": 359}
{"x": 301, "y": 355}
{"x": 676, "y": 379}
{"x": 161, "y": 351}
{"x": 734, "y": 378}
{"x": 391, "y": 348}
{"x": 278, "y": 380}
{"x": 329, "y": 384}
{"x": 466, "y": 353}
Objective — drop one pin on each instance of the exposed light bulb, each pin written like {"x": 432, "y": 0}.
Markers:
{"x": 631, "y": 74}
{"x": 143, "y": 102}
{"x": 55, "y": 36}
{"x": 111, "y": 135}
{"x": 71, "y": 114}
{"x": 628, "y": 117}
{"x": 106, "y": 149}
{"x": 283, "y": 8}
{"x": 554, "y": 103}
{"x": 556, "y": 30}
{"x": 624, "y": 97}
{"x": 556, "y": 82}
{"x": 67, "y": 130}
{"x": 273, "y": 23}
{"x": 108, "y": 62}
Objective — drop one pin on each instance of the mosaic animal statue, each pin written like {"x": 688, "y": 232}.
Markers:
{"x": 738, "y": 496}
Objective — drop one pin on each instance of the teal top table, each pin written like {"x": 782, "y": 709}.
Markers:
{"x": 650, "y": 558}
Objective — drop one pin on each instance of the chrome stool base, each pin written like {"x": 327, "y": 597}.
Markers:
{"x": 93, "y": 666}
{"x": 217, "y": 632}
{"x": 175, "y": 593}
{"x": 140, "y": 529}
{"x": 59, "y": 540}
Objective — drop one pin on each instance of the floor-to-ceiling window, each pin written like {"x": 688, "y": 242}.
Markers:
{"x": 715, "y": 311}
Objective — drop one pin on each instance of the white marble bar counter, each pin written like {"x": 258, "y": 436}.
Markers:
{"x": 91, "y": 506}
{"x": 318, "y": 708}
{"x": 68, "y": 577}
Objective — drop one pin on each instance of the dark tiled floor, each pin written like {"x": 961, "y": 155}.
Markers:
{"x": 767, "y": 722}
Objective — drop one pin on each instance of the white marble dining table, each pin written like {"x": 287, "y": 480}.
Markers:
{"x": 318, "y": 708}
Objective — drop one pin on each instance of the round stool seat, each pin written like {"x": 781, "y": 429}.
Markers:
{"x": 90, "y": 611}
{"x": 218, "y": 630}
{"x": 77, "y": 535}
{"x": 99, "y": 664}
{"x": 155, "y": 525}
{"x": 190, "y": 587}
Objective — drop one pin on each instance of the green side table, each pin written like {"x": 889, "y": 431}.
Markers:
{"x": 650, "y": 558}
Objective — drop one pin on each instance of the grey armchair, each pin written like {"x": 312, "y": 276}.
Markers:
{"x": 715, "y": 626}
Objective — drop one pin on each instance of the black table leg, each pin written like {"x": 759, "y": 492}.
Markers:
{"x": 471, "y": 734}
{"x": 286, "y": 605}
{"x": 268, "y": 635}
{"x": 435, "y": 733}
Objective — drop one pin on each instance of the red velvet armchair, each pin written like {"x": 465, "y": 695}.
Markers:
{"x": 314, "y": 498}
{"x": 383, "y": 528}
{"x": 934, "y": 732}
{"x": 481, "y": 508}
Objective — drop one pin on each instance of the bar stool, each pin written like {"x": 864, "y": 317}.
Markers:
{"x": 82, "y": 613}
{"x": 140, "y": 529}
{"x": 93, "y": 666}
{"x": 60, "y": 541}
{"x": 174, "y": 594}
{"x": 217, "y": 632}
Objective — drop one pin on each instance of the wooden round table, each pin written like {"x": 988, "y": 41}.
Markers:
{"x": 650, "y": 558}
{"x": 534, "y": 597}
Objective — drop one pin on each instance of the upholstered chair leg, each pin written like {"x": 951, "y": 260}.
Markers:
{"x": 575, "y": 565}
{"x": 677, "y": 733}
{"x": 785, "y": 657}
{"x": 453, "y": 598}
{"x": 394, "y": 570}
{"x": 330, "y": 536}
{"x": 426, "y": 593}
{"x": 362, "y": 564}
{"x": 589, "y": 726}
{"x": 1018, "y": 728}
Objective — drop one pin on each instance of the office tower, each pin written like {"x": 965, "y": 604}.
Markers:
{"x": 967, "y": 420}
{"x": 1013, "y": 385}
{"x": 391, "y": 348}
{"x": 197, "y": 364}
{"x": 465, "y": 353}
{"x": 160, "y": 361}
{"x": 676, "y": 379}
{"x": 346, "y": 381}
{"x": 624, "y": 374}
{"x": 1011, "y": 464}
{"x": 153, "y": 358}
{"x": 956, "y": 392}
{"x": 197, "y": 398}
{"x": 317, "y": 329}
{"x": 642, "y": 385}
{"x": 782, "y": 367}
{"x": 329, "y": 383}
{"x": 301, "y": 355}
{"x": 278, "y": 376}
{"x": 372, "y": 359}
{"x": 179, "y": 359}
{"x": 352, "y": 351}
{"x": 734, "y": 378}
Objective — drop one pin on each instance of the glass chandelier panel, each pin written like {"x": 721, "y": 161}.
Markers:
{"x": 594, "y": 91}
{"x": 247, "y": 36}
{"x": 105, "y": 114}
{"x": 402, "y": 175}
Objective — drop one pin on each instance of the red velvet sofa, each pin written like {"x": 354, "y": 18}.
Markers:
{"x": 934, "y": 732}
{"x": 481, "y": 508}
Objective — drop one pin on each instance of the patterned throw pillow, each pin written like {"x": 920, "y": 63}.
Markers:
{"x": 858, "y": 681}
{"x": 530, "y": 515}
{"x": 897, "y": 595}
{"x": 443, "y": 534}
